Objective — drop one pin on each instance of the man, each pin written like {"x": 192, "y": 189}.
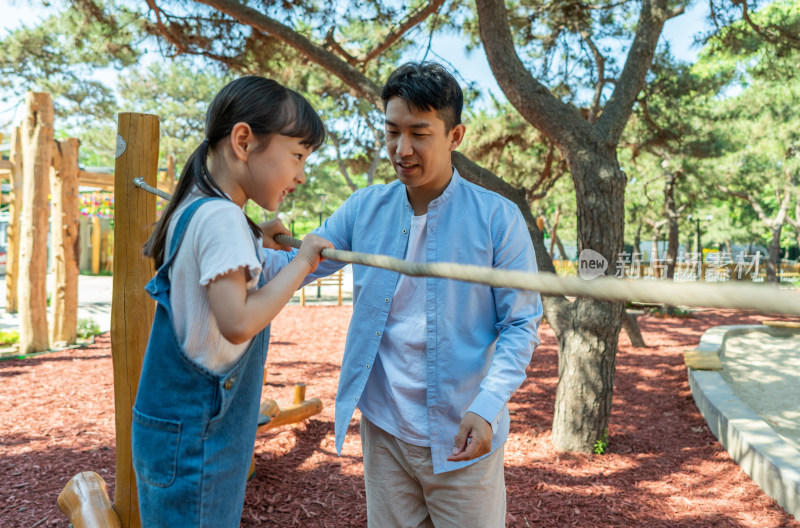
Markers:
{"x": 430, "y": 362}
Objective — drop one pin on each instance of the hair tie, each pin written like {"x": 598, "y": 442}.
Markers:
{"x": 207, "y": 141}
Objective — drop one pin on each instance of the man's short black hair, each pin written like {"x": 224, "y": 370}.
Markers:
{"x": 427, "y": 86}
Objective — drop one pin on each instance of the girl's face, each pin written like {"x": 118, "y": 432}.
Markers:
{"x": 275, "y": 171}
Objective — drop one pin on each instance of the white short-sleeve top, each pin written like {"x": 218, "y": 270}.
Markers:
{"x": 218, "y": 240}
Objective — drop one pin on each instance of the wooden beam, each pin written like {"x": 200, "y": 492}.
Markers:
{"x": 84, "y": 500}
{"x": 7, "y": 164}
{"x": 64, "y": 219}
{"x": 101, "y": 180}
{"x": 37, "y": 141}
{"x": 131, "y": 309}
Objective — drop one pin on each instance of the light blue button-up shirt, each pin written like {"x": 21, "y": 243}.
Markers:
{"x": 479, "y": 339}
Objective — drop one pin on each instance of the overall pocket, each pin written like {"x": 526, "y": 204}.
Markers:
{"x": 154, "y": 445}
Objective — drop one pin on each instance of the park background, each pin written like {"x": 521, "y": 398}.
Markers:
{"x": 674, "y": 153}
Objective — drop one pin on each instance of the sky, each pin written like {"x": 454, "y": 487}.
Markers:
{"x": 679, "y": 32}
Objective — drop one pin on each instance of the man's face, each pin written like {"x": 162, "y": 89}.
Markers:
{"x": 419, "y": 145}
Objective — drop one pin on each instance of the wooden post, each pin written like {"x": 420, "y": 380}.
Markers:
{"x": 37, "y": 146}
{"x": 95, "y": 244}
{"x": 170, "y": 174}
{"x": 12, "y": 232}
{"x": 132, "y": 309}
{"x": 340, "y": 281}
{"x": 64, "y": 241}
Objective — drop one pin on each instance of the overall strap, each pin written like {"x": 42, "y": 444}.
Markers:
{"x": 180, "y": 229}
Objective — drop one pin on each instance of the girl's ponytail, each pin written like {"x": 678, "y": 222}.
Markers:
{"x": 191, "y": 175}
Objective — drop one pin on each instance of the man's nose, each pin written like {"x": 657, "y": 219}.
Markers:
{"x": 404, "y": 147}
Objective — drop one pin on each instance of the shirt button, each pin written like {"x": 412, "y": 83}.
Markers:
{"x": 377, "y": 333}
{"x": 386, "y": 299}
{"x": 228, "y": 384}
{"x": 405, "y": 231}
{"x": 367, "y": 367}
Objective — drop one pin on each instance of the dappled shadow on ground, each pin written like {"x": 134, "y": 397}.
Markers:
{"x": 663, "y": 467}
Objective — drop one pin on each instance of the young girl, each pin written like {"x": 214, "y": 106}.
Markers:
{"x": 196, "y": 411}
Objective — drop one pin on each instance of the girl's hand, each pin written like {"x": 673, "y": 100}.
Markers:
{"x": 311, "y": 251}
{"x": 269, "y": 230}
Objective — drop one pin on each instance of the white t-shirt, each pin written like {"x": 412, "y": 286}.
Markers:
{"x": 217, "y": 240}
{"x": 395, "y": 397}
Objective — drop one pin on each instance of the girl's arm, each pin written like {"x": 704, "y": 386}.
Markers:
{"x": 240, "y": 314}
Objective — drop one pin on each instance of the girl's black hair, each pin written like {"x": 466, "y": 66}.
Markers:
{"x": 264, "y": 104}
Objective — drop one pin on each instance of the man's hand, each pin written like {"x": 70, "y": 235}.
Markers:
{"x": 269, "y": 230}
{"x": 474, "y": 438}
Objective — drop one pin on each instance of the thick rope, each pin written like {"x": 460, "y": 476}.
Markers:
{"x": 762, "y": 298}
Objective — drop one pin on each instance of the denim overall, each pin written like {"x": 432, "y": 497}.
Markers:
{"x": 193, "y": 431}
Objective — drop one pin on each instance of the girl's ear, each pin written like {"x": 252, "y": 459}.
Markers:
{"x": 242, "y": 141}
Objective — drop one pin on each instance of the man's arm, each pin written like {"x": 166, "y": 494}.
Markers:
{"x": 518, "y": 315}
{"x": 338, "y": 229}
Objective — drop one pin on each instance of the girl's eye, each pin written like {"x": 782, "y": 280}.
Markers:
{"x": 299, "y": 156}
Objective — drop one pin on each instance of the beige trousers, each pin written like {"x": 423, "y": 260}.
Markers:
{"x": 403, "y": 492}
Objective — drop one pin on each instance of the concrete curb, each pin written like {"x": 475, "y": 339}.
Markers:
{"x": 772, "y": 463}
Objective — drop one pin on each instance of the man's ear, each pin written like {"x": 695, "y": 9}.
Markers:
{"x": 456, "y": 136}
{"x": 242, "y": 141}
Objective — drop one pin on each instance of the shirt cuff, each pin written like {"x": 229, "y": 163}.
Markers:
{"x": 488, "y": 406}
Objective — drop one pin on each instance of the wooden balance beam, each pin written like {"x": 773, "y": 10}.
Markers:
{"x": 270, "y": 415}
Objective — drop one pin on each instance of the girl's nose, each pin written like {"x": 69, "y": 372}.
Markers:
{"x": 300, "y": 177}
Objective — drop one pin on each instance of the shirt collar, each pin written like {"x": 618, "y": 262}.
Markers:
{"x": 448, "y": 191}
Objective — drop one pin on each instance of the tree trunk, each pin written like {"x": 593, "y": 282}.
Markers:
{"x": 672, "y": 245}
{"x": 654, "y": 256}
{"x": 554, "y": 233}
{"x": 588, "y": 344}
{"x": 774, "y": 249}
{"x": 64, "y": 191}
{"x": 13, "y": 230}
{"x": 631, "y": 326}
{"x": 671, "y": 212}
{"x": 37, "y": 137}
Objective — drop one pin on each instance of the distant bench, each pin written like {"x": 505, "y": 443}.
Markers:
{"x": 336, "y": 279}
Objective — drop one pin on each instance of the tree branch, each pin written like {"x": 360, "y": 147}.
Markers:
{"x": 376, "y": 153}
{"x": 340, "y": 161}
{"x": 791, "y": 40}
{"x": 395, "y": 35}
{"x": 558, "y": 121}
{"x": 348, "y": 74}
{"x": 749, "y": 198}
{"x": 632, "y": 79}
{"x": 600, "y": 63}
{"x": 329, "y": 40}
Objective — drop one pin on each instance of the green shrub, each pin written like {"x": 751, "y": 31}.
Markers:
{"x": 88, "y": 328}
{"x": 601, "y": 444}
{"x": 8, "y": 337}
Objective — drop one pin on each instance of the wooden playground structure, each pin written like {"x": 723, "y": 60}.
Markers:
{"x": 39, "y": 166}
{"x": 44, "y": 178}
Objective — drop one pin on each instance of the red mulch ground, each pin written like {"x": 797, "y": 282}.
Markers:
{"x": 663, "y": 469}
